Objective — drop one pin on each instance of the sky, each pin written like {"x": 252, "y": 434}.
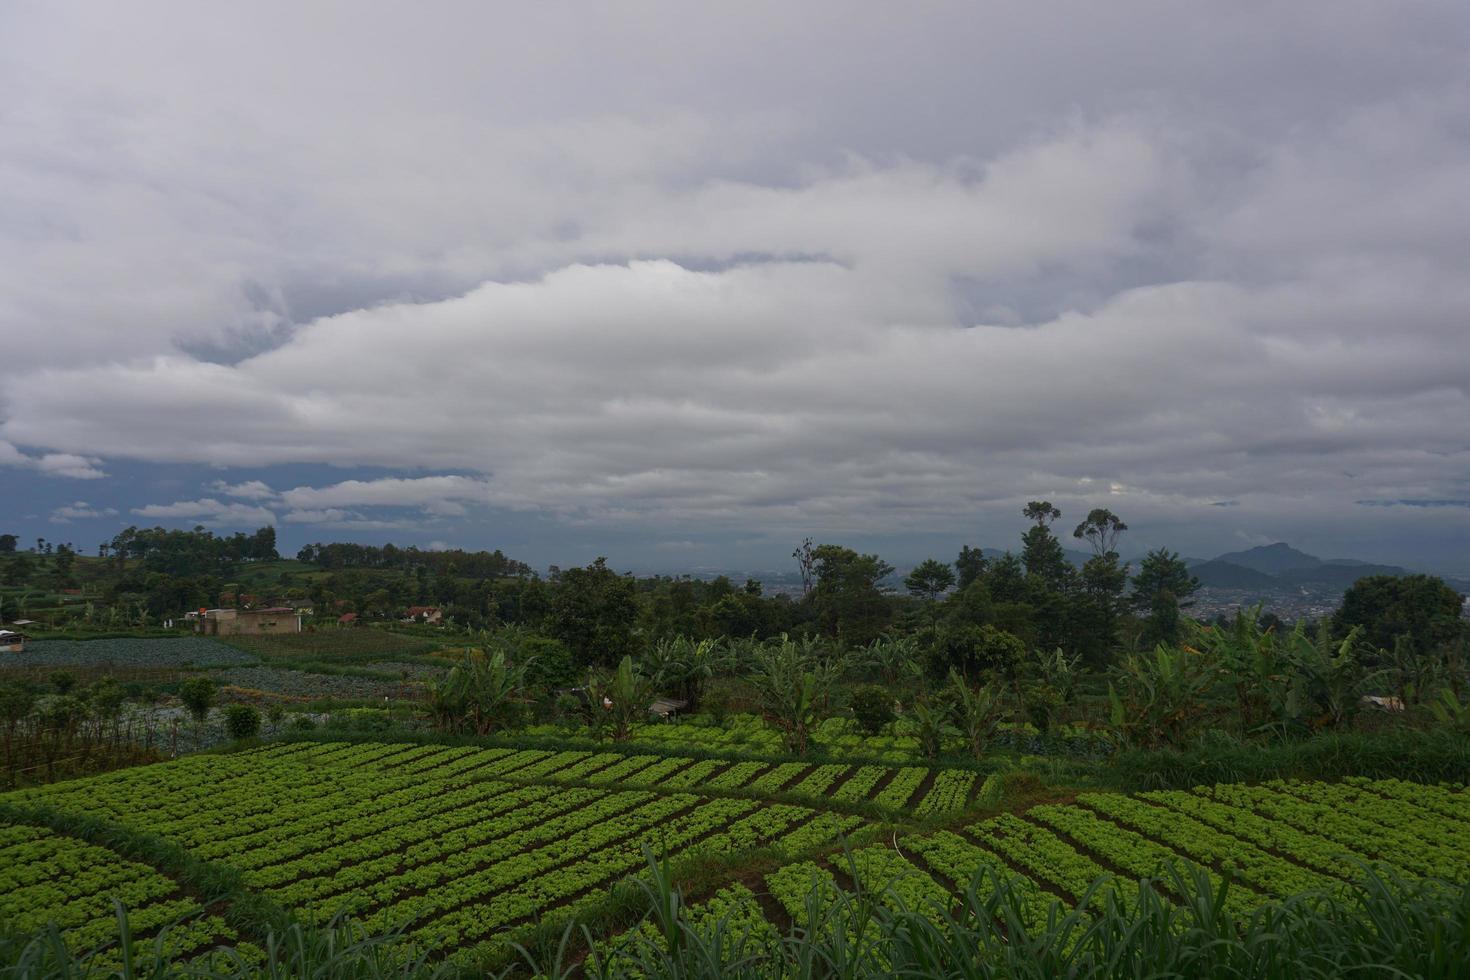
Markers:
{"x": 682, "y": 284}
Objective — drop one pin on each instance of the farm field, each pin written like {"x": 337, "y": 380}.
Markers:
{"x": 470, "y": 849}
{"x": 187, "y": 652}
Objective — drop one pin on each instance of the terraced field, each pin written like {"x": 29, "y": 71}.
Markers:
{"x": 46, "y": 877}
{"x": 1272, "y": 841}
{"x": 469, "y": 848}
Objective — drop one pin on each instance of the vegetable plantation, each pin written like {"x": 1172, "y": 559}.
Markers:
{"x": 468, "y": 850}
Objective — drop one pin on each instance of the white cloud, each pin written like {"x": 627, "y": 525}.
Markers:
{"x": 67, "y": 465}
{"x": 249, "y": 490}
{"x": 330, "y": 515}
{"x": 211, "y": 512}
{"x": 336, "y": 519}
{"x": 426, "y": 491}
{"x": 80, "y": 511}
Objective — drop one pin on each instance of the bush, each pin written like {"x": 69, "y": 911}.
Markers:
{"x": 872, "y": 708}
{"x": 242, "y": 721}
{"x": 1041, "y": 701}
{"x": 548, "y": 663}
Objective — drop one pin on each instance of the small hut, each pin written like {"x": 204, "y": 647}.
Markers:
{"x": 12, "y": 642}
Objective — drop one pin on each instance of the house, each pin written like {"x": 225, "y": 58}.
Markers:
{"x": 276, "y": 619}
{"x": 346, "y": 619}
{"x": 12, "y": 642}
{"x": 422, "y": 614}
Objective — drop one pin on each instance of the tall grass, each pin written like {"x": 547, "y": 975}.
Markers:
{"x": 1431, "y": 756}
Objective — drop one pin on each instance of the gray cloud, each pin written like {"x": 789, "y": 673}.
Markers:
{"x": 768, "y": 270}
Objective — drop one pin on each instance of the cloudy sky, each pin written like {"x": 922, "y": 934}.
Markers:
{"x": 683, "y": 283}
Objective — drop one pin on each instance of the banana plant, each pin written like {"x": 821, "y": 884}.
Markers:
{"x": 978, "y": 710}
{"x": 1259, "y": 666}
{"x": 1157, "y": 697}
{"x": 479, "y": 694}
{"x": 895, "y": 657}
{"x": 619, "y": 700}
{"x": 684, "y": 667}
{"x": 929, "y": 718}
{"x": 1331, "y": 672}
{"x": 1451, "y": 711}
{"x": 791, "y": 688}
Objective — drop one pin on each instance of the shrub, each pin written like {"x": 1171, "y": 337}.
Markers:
{"x": 872, "y": 708}
{"x": 197, "y": 693}
{"x": 242, "y": 721}
{"x": 1041, "y": 702}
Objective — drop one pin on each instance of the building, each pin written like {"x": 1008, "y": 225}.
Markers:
{"x": 422, "y": 614}
{"x": 226, "y": 622}
{"x": 12, "y": 642}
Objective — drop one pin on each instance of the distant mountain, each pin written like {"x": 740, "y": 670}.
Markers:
{"x": 1280, "y": 566}
{"x": 1221, "y": 574}
{"x": 1272, "y": 559}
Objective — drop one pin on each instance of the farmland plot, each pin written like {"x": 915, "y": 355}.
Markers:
{"x": 434, "y": 840}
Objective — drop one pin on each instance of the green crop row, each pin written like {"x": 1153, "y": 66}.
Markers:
{"x": 49, "y": 878}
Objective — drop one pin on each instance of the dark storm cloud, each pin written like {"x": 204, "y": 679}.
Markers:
{"x": 757, "y": 270}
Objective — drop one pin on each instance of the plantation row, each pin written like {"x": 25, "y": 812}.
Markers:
{"x": 835, "y": 736}
{"x": 46, "y": 877}
{"x": 462, "y": 862}
{"x": 1272, "y": 841}
{"x": 902, "y": 791}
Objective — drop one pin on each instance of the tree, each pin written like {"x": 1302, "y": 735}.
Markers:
{"x": 806, "y": 563}
{"x": 1097, "y": 609}
{"x": 848, "y": 598}
{"x": 1101, "y": 529}
{"x": 1103, "y": 579}
{"x": 1041, "y": 553}
{"x": 970, "y": 564}
{"x": 593, "y": 612}
{"x": 8, "y": 543}
{"x": 1385, "y": 607}
{"x": 198, "y": 694}
{"x": 929, "y": 581}
{"x": 1161, "y": 588}
{"x": 975, "y": 650}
